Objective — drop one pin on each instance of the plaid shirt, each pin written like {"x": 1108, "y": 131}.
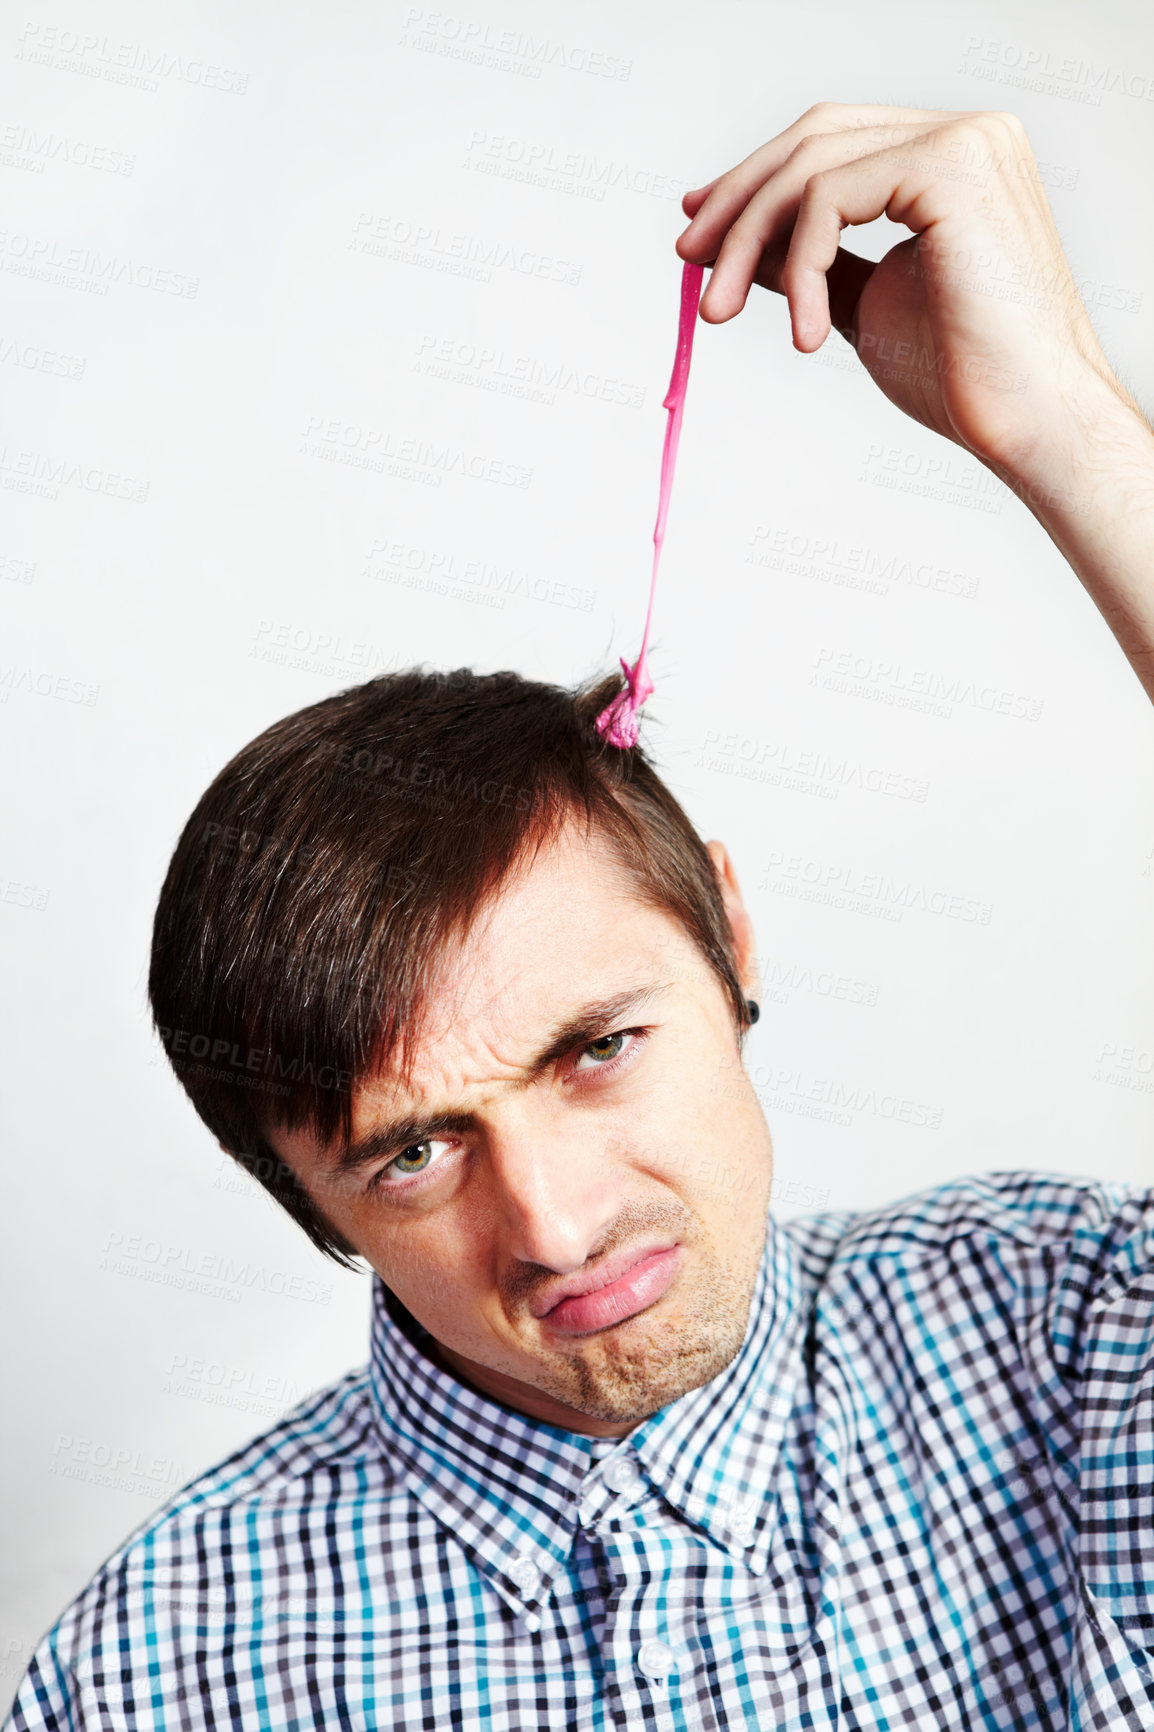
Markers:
{"x": 922, "y": 1495}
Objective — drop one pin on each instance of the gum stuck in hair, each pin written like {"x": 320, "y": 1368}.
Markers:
{"x": 618, "y": 722}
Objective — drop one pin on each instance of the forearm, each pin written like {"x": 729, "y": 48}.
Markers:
{"x": 1094, "y": 497}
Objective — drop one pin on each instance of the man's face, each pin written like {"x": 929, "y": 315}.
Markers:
{"x": 551, "y": 1140}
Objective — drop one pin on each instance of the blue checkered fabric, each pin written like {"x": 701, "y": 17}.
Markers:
{"x": 922, "y": 1495}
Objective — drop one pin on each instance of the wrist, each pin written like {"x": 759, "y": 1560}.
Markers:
{"x": 1091, "y": 488}
{"x": 1095, "y": 441}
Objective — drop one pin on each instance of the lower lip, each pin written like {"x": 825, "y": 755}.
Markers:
{"x": 632, "y": 1292}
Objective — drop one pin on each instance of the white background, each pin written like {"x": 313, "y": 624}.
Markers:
{"x": 984, "y": 954}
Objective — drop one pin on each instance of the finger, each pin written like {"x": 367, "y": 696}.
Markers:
{"x": 845, "y": 280}
{"x": 768, "y": 216}
{"x": 729, "y": 193}
{"x": 859, "y": 192}
{"x": 692, "y": 202}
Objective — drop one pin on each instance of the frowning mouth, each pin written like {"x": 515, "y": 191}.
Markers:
{"x": 625, "y": 1284}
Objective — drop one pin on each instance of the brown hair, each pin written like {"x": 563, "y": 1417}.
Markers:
{"x": 330, "y": 862}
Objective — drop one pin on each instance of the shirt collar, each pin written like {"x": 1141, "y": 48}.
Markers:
{"x": 509, "y": 1487}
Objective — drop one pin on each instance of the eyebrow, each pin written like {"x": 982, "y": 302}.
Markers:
{"x": 589, "y": 1023}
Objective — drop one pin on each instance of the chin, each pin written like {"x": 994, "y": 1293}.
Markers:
{"x": 630, "y": 1379}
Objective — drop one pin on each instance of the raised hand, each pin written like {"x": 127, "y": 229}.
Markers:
{"x": 973, "y": 325}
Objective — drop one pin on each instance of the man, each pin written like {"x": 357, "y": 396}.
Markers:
{"x": 459, "y": 984}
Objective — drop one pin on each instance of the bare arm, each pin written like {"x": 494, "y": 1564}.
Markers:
{"x": 973, "y": 325}
{"x": 1094, "y": 497}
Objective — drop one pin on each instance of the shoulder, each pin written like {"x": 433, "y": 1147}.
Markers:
{"x": 1067, "y": 1262}
{"x": 330, "y": 1432}
{"x": 1021, "y": 1303}
{"x": 176, "y": 1565}
{"x": 1031, "y": 1211}
{"x": 328, "y": 1428}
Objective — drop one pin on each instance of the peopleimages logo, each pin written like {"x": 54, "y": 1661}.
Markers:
{"x": 45, "y": 474}
{"x": 1040, "y": 69}
{"x": 572, "y": 171}
{"x": 850, "y": 565}
{"x": 782, "y": 765}
{"x": 779, "y": 980}
{"x": 490, "y": 368}
{"x": 34, "y": 359}
{"x": 1125, "y": 1066}
{"x": 833, "y": 1100}
{"x": 16, "y": 894}
{"x": 14, "y": 678}
{"x": 878, "y": 894}
{"x": 206, "y": 1272}
{"x": 137, "y": 64}
{"x": 225, "y": 1055}
{"x": 119, "y": 1467}
{"x": 484, "y": 44}
{"x": 385, "y": 451}
{"x": 881, "y": 680}
{"x": 384, "y": 236}
{"x": 395, "y": 560}
{"x": 80, "y": 267}
{"x": 25, "y": 147}
{"x": 195, "y": 1378}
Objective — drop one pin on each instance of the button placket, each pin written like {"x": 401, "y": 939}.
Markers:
{"x": 742, "y": 1520}
{"x": 656, "y": 1659}
{"x": 623, "y": 1475}
{"x": 525, "y": 1573}
{"x": 588, "y": 1509}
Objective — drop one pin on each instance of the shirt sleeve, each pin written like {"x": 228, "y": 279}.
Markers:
{"x": 80, "y": 1676}
{"x": 1101, "y": 1337}
{"x": 49, "y": 1697}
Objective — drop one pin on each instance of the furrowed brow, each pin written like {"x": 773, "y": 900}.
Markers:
{"x": 600, "y": 1017}
{"x": 603, "y": 1016}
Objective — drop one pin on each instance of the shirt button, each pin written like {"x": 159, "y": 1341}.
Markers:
{"x": 656, "y": 1659}
{"x": 742, "y": 1521}
{"x": 622, "y": 1474}
{"x": 526, "y": 1572}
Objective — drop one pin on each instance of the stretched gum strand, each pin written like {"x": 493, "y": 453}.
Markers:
{"x": 618, "y": 721}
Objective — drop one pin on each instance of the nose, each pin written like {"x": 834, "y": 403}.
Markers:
{"x": 555, "y": 1189}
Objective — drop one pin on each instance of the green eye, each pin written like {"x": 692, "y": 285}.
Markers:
{"x": 611, "y": 1052}
{"x": 419, "y": 1154}
{"x": 410, "y": 1164}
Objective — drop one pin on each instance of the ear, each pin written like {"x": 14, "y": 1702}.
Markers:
{"x": 742, "y": 926}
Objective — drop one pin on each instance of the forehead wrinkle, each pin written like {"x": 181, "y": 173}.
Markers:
{"x": 583, "y": 1024}
{"x": 458, "y": 963}
{"x": 457, "y": 958}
